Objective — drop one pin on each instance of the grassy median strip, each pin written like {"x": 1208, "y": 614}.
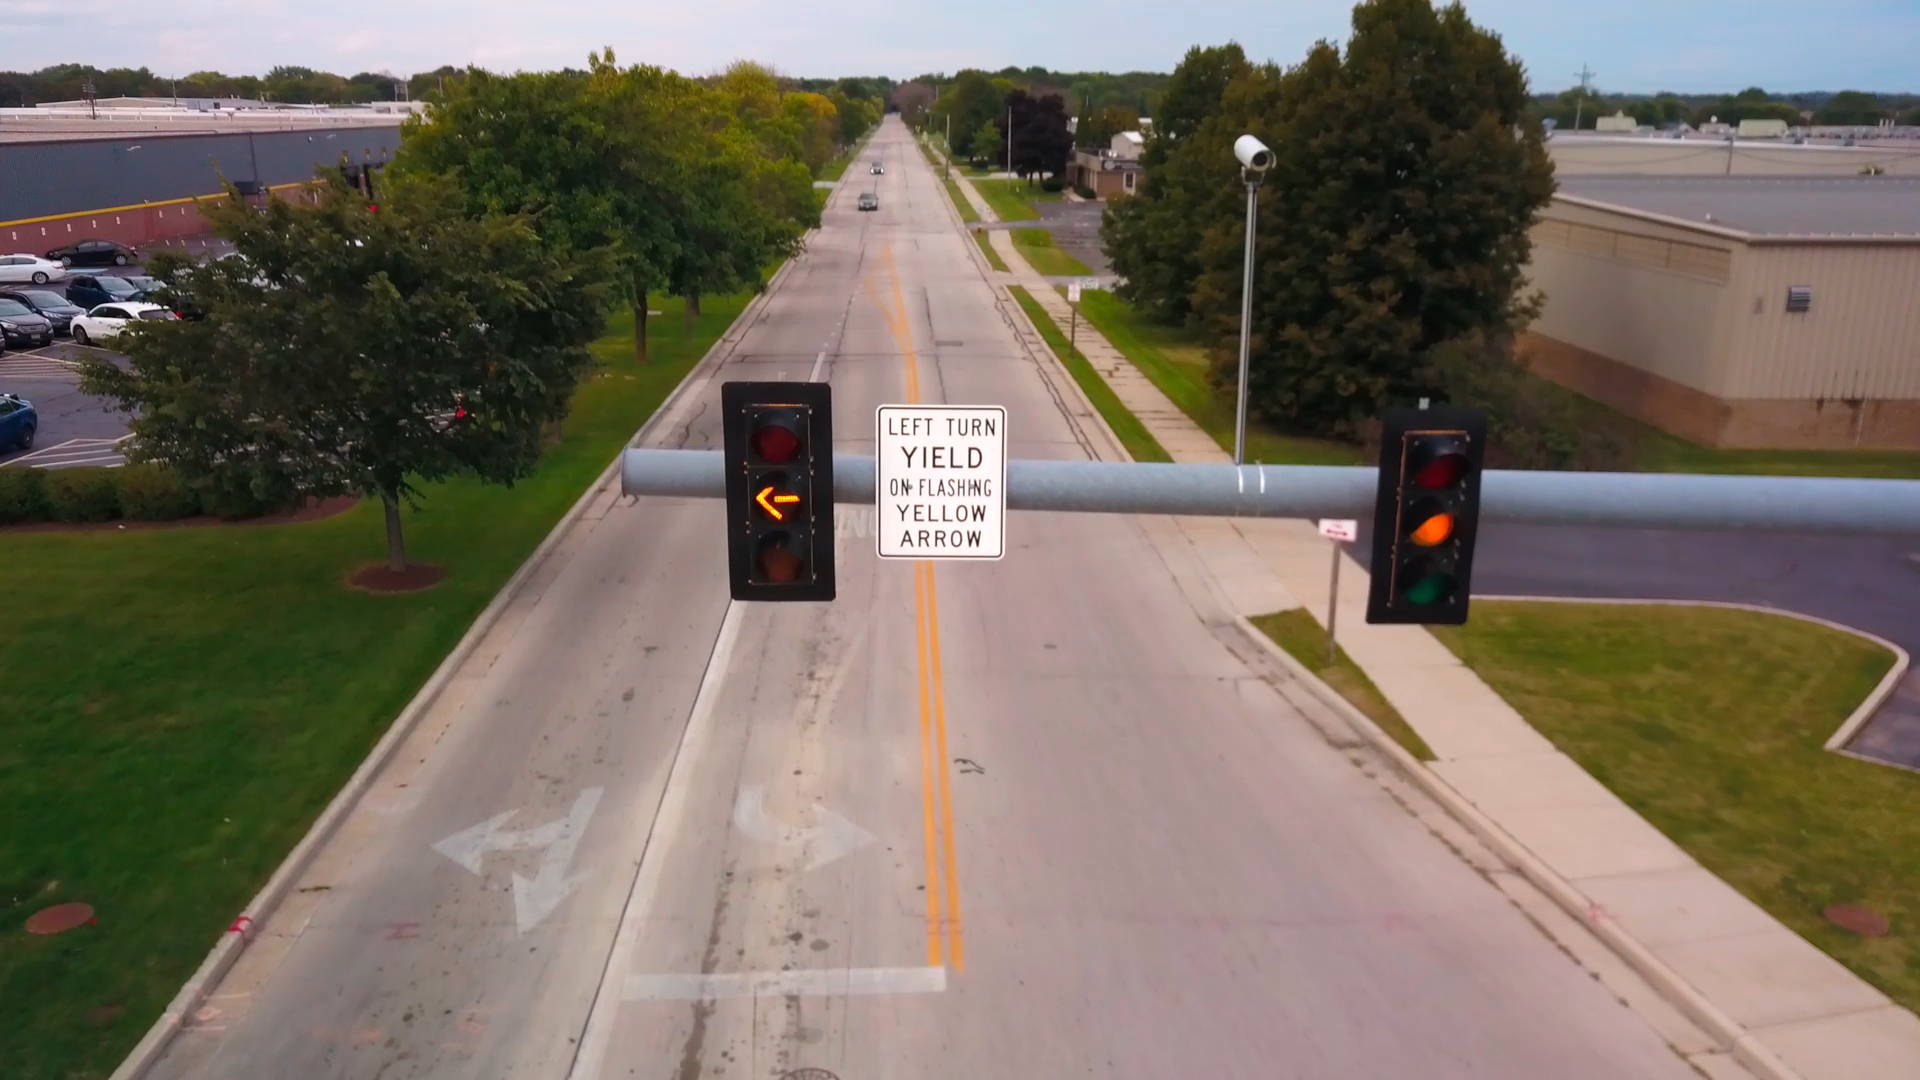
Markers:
{"x": 1709, "y": 722}
{"x": 985, "y": 240}
{"x": 1013, "y": 199}
{"x": 1174, "y": 360}
{"x": 1305, "y": 640}
{"x": 1134, "y": 436}
{"x": 185, "y": 701}
{"x": 1036, "y": 246}
{"x": 960, "y": 201}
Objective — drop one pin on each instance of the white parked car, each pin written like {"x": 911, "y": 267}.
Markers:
{"x": 29, "y": 268}
{"x": 107, "y": 320}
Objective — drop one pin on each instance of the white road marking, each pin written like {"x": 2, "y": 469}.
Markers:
{"x": 591, "y": 1056}
{"x": 828, "y": 982}
{"x": 535, "y": 898}
{"x": 74, "y": 452}
{"x": 819, "y": 362}
{"x": 834, "y": 838}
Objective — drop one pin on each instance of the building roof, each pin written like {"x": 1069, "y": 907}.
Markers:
{"x": 1767, "y": 206}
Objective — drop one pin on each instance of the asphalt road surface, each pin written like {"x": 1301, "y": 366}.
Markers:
{"x": 1022, "y": 819}
{"x": 75, "y": 428}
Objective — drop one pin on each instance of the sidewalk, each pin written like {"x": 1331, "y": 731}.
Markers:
{"x": 1759, "y": 991}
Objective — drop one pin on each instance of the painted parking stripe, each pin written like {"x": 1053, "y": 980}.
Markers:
{"x": 75, "y": 452}
{"x": 831, "y": 982}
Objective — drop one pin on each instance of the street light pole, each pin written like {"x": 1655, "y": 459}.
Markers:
{"x": 1009, "y": 140}
{"x": 1252, "y": 180}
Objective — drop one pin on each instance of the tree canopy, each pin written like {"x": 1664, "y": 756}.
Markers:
{"x": 1394, "y": 223}
{"x": 351, "y": 352}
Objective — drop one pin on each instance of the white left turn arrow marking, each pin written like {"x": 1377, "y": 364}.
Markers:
{"x": 534, "y": 898}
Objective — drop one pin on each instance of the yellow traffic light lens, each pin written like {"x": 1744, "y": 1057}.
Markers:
{"x": 1434, "y": 531}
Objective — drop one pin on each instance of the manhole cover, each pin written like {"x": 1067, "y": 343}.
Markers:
{"x": 1861, "y": 920}
{"x": 809, "y": 1074}
{"x": 59, "y": 918}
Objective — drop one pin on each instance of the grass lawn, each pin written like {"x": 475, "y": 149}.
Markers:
{"x": 198, "y": 695}
{"x": 1303, "y": 637}
{"x": 1139, "y": 443}
{"x": 1013, "y": 199}
{"x": 1036, "y": 246}
{"x": 1174, "y": 360}
{"x": 960, "y": 202}
{"x": 985, "y": 241}
{"x": 1709, "y": 722}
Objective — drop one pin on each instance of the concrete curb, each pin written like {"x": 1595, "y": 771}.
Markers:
{"x": 231, "y": 944}
{"x": 1837, "y": 742}
{"x": 1747, "y": 1049}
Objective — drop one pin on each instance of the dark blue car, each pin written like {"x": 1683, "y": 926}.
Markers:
{"x": 18, "y": 422}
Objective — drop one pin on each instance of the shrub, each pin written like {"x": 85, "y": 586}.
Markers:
{"x": 155, "y": 493}
{"x": 242, "y": 497}
{"x": 83, "y": 494}
{"x": 1532, "y": 423}
{"x": 1085, "y": 192}
{"x": 23, "y": 495}
{"x": 1053, "y": 183}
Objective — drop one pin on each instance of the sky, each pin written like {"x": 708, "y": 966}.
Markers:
{"x": 1690, "y": 46}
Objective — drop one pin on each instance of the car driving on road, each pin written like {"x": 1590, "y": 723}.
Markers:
{"x": 47, "y": 304}
{"x": 869, "y": 201}
{"x": 106, "y": 321}
{"x": 95, "y": 253}
{"x": 18, "y": 422}
{"x": 20, "y": 267}
{"x": 20, "y": 325}
{"x": 878, "y": 169}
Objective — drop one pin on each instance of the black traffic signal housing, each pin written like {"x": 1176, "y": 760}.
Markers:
{"x": 1426, "y": 515}
{"x": 779, "y": 462}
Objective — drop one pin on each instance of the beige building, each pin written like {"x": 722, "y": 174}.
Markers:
{"x": 1737, "y": 311}
{"x": 1112, "y": 171}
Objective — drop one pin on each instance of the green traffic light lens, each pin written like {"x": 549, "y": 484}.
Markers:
{"x": 1431, "y": 588}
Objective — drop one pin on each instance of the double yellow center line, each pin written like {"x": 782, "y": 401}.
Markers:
{"x": 946, "y": 941}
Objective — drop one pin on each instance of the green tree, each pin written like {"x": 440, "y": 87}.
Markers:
{"x": 971, "y": 102}
{"x": 339, "y": 345}
{"x": 1193, "y": 92}
{"x": 1398, "y": 207}
{"x": 1850, "y": 108}
{"x": 1911, "y": 118}
{"x": 1153, "y": 238}
{"x": 987, "y": 142}
{"x": 1096, "y": 132}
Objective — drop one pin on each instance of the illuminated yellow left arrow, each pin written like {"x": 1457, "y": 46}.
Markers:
{"x": 769, "y": 507}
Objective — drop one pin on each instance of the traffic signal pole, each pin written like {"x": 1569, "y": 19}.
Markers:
{"x": 1613, "y": 500}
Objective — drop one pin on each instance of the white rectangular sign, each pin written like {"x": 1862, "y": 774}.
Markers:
{"x": 940, "y": 481}
{"x": 1073, "y": 293}
{"x": 1339, "y": 528}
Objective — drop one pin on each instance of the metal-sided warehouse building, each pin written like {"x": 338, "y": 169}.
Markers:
{"x": 139, "y": 176}
{"x": 1736, "y": 296}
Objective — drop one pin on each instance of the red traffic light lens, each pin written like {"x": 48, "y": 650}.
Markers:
{"x": 775, "y": 443}
{"x": 1441, "y": 471}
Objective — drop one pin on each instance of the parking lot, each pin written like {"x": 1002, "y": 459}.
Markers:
{"x": 75, "y": 428}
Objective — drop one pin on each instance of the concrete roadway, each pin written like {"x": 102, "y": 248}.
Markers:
{"x": 1020, "y": 819}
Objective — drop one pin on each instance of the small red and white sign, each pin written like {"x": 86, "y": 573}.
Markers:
{"x": 1339, "y": 528}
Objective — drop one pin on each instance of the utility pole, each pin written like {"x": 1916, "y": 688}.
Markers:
{"x": 1580, "y": 102}
{"x": 88, "y": 91}
{"x": 1009, "y": 140}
